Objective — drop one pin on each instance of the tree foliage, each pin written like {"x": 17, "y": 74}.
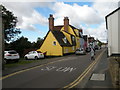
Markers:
{"x": 21, "y": 44}
{"x": 9, "y": 24}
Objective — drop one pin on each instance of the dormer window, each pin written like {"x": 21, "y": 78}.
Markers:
{"x": 73, "y": 38}
{"x": 65, "y": 40}
{"x": 54, "y": 43}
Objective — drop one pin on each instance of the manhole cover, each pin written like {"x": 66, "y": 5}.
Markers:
{"x": 98, "y": 77}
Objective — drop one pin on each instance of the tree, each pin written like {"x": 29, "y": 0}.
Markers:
{"x": 38, "y": 43}
{"x": 10, "y": 21}
{"x": 19, "y": 45}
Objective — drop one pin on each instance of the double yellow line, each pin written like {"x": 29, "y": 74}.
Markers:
{"x": 80, "y": 78}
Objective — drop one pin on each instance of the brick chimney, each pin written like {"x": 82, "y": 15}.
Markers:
{"x": 51, "y": 22}
{"x": 66, "y": 23}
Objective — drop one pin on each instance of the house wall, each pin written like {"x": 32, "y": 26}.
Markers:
{"x": 77, "y": 42}
{"x": 119, "y": 30}
{"x": 113, "y": 31}
{"x": 69, "y": 49}
{"x": 47, "y": 46}
{"x": 70, "y": 30}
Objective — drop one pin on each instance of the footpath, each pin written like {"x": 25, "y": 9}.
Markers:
{"x": 100, "y": 76}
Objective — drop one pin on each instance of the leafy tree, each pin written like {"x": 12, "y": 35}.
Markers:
{"x": 20, "y": 44}
{"x": 38, "y": 43}
{"x": 9, "y": 23}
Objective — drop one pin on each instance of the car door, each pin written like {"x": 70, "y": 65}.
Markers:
{"x": 30, "y": 55}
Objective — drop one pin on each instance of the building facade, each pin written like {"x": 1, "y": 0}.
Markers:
{"x": 113, "y": 27}
{"x": 60, "y": 40}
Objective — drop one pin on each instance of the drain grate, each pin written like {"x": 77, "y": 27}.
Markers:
{"x": 98, "y": 77}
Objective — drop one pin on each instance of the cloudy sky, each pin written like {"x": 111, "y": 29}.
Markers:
{"x": 90, "y": 16}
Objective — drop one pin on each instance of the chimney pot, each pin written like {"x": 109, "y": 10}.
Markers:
{"x": 66, "y": 23}
{"x": 51, "y": 22}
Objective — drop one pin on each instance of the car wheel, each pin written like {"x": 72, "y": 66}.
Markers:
{"x": 36, "y": 57}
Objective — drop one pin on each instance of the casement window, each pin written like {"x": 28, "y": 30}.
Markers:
{"x": 73, "y": 48}
{"x": 73, "y": 38}
{"x": 54, "y": 43}
{"x": 66, "y": 50}
{"x": 65, "y": 40}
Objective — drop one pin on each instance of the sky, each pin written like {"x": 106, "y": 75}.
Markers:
{"x": 86, "y": 14}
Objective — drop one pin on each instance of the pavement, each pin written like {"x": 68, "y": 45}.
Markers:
{"x": 98, "y": 78}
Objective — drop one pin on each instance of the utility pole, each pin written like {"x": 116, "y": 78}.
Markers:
{"x": 1, "y": 40}
{"x": 1, "y": 47}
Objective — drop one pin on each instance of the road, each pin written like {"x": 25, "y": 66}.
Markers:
{"x": 57, "y": 74}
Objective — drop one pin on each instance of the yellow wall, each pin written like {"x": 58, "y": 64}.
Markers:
{"x": 77, "y": 42}
{"x": 68, "y": 50}
{"x": 70, "y": 30}
{"x": 52, "y": 50}
{"x": 76, "y": 31}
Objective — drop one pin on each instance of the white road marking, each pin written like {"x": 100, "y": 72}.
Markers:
{"x": 58, "y": 69}
{"x": 49, "y": 68}
{"x": 98, "y": 77}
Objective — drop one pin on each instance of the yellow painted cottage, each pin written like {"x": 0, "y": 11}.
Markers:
{"x": 60, "y": 40}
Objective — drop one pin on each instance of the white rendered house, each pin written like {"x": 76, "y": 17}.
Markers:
{"x": 113, "y": 27}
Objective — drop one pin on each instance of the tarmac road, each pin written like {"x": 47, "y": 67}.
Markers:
{"x": 57, "y": 74}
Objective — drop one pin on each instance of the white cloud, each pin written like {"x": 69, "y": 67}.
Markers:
{"x": 99, "y": 33}
{"x": 77, "y": 14}
{"x": 26, "y": 14}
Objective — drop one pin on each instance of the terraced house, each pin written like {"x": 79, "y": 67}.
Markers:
{"x": 61, "y": 40}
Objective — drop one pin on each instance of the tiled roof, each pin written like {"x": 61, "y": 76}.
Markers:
{"x": 58, "y": 27}
{"x": 60, "y": 36}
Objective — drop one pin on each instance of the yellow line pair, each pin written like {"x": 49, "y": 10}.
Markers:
{"x": 79, "y": 79}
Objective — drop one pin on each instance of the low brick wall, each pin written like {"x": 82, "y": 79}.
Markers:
{"x": 114, "y": 69}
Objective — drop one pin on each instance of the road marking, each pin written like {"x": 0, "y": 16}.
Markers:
{"x": 58, "y": 69}
{"x": 49, "y": 68}
{"x": 81, "y": 77}
{"x": 98, "y": 77}
{"x": 21, "y": 71}
{"x": 66, "y": 69}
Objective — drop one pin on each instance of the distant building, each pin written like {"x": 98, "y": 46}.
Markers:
{"x": 113, "y": 27}
{"x": 60, "y": 40}
{"x": 85, "y": 41}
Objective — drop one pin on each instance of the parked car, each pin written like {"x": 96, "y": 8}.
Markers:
{"x": 97, "y": 47}
{"x": 80, "y": 51}
{"x": 34, "y": 55}
{"x": 11, "y": 55}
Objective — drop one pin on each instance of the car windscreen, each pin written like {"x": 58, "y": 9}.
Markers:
{"x": 12, "y": 52}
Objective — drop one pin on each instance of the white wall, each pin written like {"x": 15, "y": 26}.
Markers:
{"x": 119, "y": 30}
{"x": 113, "y": 42}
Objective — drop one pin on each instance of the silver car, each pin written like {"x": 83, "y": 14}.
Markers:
{"x": 80, "y": 51}
{"x": 11, "y": 55}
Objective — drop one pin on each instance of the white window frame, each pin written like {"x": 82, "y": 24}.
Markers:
{"x": 73, "y": 38}
{"x": 65, "y": 40}
{"x": 54, "y": 43}
{"x": 73, "y": 48}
